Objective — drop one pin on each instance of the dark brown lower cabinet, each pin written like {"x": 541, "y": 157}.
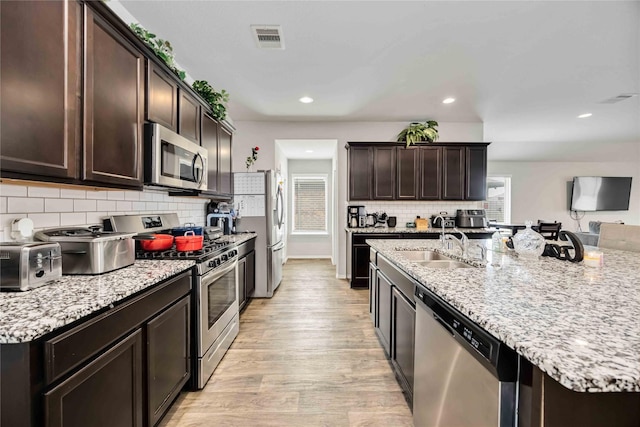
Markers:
{"x": 246, "y": 272}
{"x": 403, "y": 314}
{"x": 168, "y": 357}
{"x": 106, "y": 392}
{"x": 383, "y": 310}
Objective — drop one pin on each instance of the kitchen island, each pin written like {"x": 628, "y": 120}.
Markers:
{"x": 573, "y": 325}
{"x": 358, "y": 250}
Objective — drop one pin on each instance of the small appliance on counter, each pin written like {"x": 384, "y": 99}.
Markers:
{"x": 471, "y": 218}
{"x": 223, "y": 216}
{"x": 356, "y": 216}
{"x": 25, "y": 266}
{"x": 449, "y": 221}
{"x": 91, "y": 250}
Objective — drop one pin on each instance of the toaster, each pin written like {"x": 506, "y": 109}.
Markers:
{"x": 25, "y": 266}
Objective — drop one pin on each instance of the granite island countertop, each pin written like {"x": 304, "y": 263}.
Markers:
{"x": 580, "y": 325}
{"x": 392, "y": 230}
{"x": 26, "y": 316}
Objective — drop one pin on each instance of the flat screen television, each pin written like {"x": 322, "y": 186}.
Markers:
{"x": 600, "y": 193}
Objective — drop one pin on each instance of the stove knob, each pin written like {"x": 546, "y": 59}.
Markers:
{"x": 224, "y": 257}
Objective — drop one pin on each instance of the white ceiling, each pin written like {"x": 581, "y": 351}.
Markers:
{"x": 308, "y": 148}
{"x": 526, "y": 69}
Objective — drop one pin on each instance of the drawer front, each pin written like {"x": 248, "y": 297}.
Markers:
{"x": 68, "y": 350}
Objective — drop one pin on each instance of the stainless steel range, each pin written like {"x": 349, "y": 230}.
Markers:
{"x": 215, "y": 282}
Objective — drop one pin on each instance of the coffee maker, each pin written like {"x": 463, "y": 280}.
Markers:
{"x": 220, "y": 214}
{"x": 356, "y": 216}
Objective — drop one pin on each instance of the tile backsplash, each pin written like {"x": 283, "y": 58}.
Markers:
{"x": 59, "y": 207}
{"x": 407, "y": 211}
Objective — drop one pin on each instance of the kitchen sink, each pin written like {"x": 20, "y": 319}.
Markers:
{"x": 423, "y": 256}
{"x": 448, "y": 264}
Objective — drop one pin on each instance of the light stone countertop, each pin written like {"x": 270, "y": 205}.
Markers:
{"x": 26, "y": 316}
{"x": 375, "y": 230}
{"x": 578, "y": 324}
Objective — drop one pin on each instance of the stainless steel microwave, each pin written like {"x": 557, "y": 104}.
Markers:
{"x": 173, "y": 161}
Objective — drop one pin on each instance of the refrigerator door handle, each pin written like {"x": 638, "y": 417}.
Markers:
{"x": 279, "y": 206}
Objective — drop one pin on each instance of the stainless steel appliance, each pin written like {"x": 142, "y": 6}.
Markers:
{"x": 463, "y": 376}
{"x": 471, "y": 218}
{"x": 438, "y": 220}
{"x": 356, "y": 216}
{"x": 259, "y": 201}
{"x": 172, "y": 160}
{"x": 215, "y": 288}
{"x": 91, "y": 250}
{"x": 25, "y": 266}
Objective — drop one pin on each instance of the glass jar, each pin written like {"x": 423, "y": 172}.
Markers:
{"x": 527, "y": 243}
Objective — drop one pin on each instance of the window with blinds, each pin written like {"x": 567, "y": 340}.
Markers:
{"x": 309, "y": 204}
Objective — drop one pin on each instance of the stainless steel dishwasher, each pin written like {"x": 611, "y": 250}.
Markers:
{"x": 463, "y": 375}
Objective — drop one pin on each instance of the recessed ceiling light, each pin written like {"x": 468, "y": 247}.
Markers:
{"x": 448, "y": 100}
{"x": 308, "y": 151}
{"x": 306, "y": 100}
{"x": 585, "y": 115}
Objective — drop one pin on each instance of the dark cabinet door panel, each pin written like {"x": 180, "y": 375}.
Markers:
{"x": 476, "y": 173}
{"x": 169, "y": 357}
{"x": 403, "y": 337}
{"x": 162, "y": 97}
{"x": 189, "y": 113}
{"x": 360, "y": 265}
{"x": 384, "y": 173}
{"x": 430, "y": 181}
{"x": 383, "y": 301}
{"x": 40, "y": 87}
{"x": 454, "y": 168}
{"x": 250, "y": 274}
{"x": 225, "y": 177}
{"x": 114, "y": 102}
{"x": 210, "y": 142}
{"x": 107, "y": 392}
{"x": 407, "y": 173}
{"x": 242, "y": 277}
{"x": 360, "y": 164}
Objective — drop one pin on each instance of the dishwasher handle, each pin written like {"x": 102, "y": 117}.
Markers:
{"x": 444, "y": 325}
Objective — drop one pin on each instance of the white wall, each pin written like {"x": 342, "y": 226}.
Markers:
{"x": 309, "y": 245}
{"x": 57, "y": 206}
{"x": 263, "y": 134}
{"x": 539, "y": 190}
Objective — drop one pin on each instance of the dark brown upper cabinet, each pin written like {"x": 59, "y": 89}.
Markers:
{"x": 44, "y": 92}
{"x": 407, "y": 174}
{"x": 217, "y": 139}
{"x": 40, "y": 88}
{"x": 433, "y": 171}
{"x": 453, "y": 173}
{"x": 384, "y": 173}
{"x": 476, "y": 173}
{"x": 360, "y": 172}
{"x": 113, "y": 105}
{"x": 189, "y": 117}
{"x": 430, "y": 173}
{"x": 162, "y": 97}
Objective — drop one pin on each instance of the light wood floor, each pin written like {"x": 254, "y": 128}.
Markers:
{"x": 306, "y": 357}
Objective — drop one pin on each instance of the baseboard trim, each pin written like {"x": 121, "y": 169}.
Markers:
{"x": 341, "y": 276}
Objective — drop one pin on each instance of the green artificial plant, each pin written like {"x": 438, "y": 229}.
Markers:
{"x": 160, "y": 47}
{"x": 417, "y": 132}
{"x": 217, "y": 100}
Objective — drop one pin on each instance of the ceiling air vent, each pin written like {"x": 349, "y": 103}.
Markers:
{"x": 621, "y": 97}
{"x": 268, "y": 36}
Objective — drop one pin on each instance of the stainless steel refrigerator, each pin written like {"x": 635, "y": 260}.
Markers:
{"x": 259, "y": 200}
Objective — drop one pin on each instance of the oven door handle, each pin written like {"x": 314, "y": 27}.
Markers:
{"x": 216, "y": 274}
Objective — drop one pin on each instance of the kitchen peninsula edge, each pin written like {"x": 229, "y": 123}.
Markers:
{"x": 574, "y": 328}
{"x": 358, "y": 251}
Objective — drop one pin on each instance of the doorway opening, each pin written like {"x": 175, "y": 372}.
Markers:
{"x": 309, "y": 170}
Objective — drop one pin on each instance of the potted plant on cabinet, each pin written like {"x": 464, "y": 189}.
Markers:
{"x": 417, "y": 132}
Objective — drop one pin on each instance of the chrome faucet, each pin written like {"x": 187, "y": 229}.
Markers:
{"x": 442, "y": 233}
{"x": 462, "y": 242}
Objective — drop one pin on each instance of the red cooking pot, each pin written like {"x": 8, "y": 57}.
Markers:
{"x": 189, "y": 242}
{"x": 155, "y": 242}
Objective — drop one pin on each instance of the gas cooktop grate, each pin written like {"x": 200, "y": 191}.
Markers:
{"x": 209, "y": 248}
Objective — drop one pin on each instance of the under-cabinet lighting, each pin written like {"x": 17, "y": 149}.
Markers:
{"x": 448, "y": 100}
{"x": 585, "y": 115}
{"x": 306, "y": 100}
